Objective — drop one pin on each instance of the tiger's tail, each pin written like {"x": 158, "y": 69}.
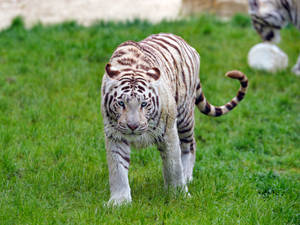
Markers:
{"x": 208, "y": 109}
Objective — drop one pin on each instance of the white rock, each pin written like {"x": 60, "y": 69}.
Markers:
{"x": 268, "y": 57}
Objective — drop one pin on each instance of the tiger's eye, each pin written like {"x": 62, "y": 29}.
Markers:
{"x": 121, "y": 103}
{"x": 143, "y": 104}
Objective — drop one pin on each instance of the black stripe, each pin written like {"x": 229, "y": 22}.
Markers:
{"x": 140, "y": 87}
{"x": 125, "y": 141}
{"x": 105, "y": 99}
{"x": 151, "y": 58}
{"x": 110, "y": 100}
{"x": 130, "y": 43}
{"x": 207, "y": 108}
{"x": 244, "y": 84}
{"x": 124, "y": 166}
{"x": 268, "y": 23}
{"x": 199, "y": 99}
{"x": 229, "y": 106}
{"x": 123, "y": 157}
{"x": 186, "y": 140}
{"x": 181, "y": 44}
{"x": 285, "y": 4}
{"x": 183, "y": 118}
{"x": 240, "y": 95}
{"x": 168, "y": 43}
{"x": 185, "y": 152}
{"x": 186, "y": 130}
{"x": 118, "y": 54}
{"x": 159, "y": 38}
{"x": 233, "y": 103}
{"x": 163, "y": 46}
{"x": 218, "y": 111}
{"x": 189, "y": 120}
{"x": 124, "y": 88}
{"x": 192, "y": 147}
{"x": 180, "y": 109}
{"x": 163, "y": 55}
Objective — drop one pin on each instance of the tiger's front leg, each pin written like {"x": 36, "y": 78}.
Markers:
{"x": 171, "y": 156}
{"x": 118, "y": 160}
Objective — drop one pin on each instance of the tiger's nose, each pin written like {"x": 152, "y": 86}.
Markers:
{"x": 133, "y": 126}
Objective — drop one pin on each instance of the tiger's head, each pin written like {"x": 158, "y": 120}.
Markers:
{"x": 267, "y": 19}
{"x": 131, "y": 102}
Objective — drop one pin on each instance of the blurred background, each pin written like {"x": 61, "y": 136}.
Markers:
{"x": 88, "y": 11}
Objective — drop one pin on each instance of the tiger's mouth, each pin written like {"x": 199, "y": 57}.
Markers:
{"x": 272, "y": 36}
{"x": 131, "y": 132}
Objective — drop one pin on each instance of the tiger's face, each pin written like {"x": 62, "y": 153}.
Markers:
{"x": 131, "y": 102}
{"x": 266, "y": 32}
{"x": 133, "y": 114}
{"x": 266, "y": 19}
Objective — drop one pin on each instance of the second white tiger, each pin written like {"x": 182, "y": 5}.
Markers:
{"x": 149, "y": 92}
{"x": 269, "y": 16}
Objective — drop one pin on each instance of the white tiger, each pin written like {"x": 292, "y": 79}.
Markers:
{"x": 269, "y": 16}
{"x": 149, "y": 92}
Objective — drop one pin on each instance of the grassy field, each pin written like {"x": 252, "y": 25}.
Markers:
{"x": 52, "y": 155}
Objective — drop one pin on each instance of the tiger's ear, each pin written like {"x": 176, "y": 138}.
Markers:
{"x": 154, "y": 73}
{"x": 111, "y": 71}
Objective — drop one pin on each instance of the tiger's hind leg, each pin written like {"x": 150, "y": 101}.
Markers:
{"x": 185, "y": 128}
{"x": 188, "y": 156}
{"x": 296, "y": 68}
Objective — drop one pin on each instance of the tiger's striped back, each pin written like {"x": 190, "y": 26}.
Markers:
{"x": 181, "y": 65}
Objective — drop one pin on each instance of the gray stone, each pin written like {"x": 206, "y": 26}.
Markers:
{"x": 268, "y": 57}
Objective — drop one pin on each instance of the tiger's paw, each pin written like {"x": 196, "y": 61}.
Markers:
{"x": 185, "y": 192}
{"x": 119, "y": 200}
{"x": 189, "y": 179}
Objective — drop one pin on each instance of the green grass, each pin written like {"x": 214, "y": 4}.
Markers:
{"x": 52, "y": 154}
